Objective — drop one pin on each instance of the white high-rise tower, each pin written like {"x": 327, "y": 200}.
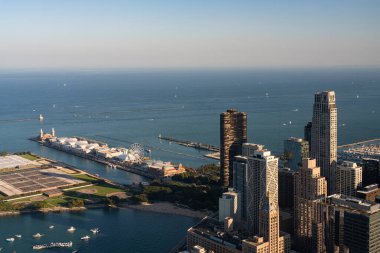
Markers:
{"x": 324, "y": 136}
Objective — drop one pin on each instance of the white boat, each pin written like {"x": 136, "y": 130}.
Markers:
{"x": 71, "y": 229}
{"x": 51, "y": 227}
{"x": 38, "y": 235}
{"x": 41, "y": 118}
{"x": 95, "y": 230}
{"x": 10, "y": 239}
{"x": 18, "y": 236}
{"x": 85, "y": 238}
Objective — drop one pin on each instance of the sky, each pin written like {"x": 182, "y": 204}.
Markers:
{"x": 86, "y": 34}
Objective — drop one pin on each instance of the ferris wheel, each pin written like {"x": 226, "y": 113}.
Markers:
{"x": 138, "y": 152}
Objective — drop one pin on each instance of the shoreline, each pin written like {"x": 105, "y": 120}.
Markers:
{"x": 167, "y": 208}
{"x": 157, "y": 207}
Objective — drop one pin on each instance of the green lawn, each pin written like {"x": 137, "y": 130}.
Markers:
{"x": 85, "y": 177}
{"x": 29, "y": 157}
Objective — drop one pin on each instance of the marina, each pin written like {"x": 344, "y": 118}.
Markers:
{"x": 191, "y": 144}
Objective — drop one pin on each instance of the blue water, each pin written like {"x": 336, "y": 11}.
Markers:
{"x": 137, "y": 106}
{"x": 122, "y": 230}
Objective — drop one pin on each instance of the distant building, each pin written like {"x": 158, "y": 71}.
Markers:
{"x": 371, "y": 171}
{"x": 369, "y": 193}
{"x": 324, "y": 135}
{"x": 241, "y": 184}
{"x": 295, "y": 149}
{"x": 233, "y": 133}
{"x": 348, "y": 178}
{"x": 352, "y": 224}
{"x": 229, "y": 206}
{"x": 307, "y": 134}
{"x": 309, "y": 186}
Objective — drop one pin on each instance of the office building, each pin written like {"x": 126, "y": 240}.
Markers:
{"x": 295, "y": 149}
{"x": 233, "y": 133}
{"x": 348, "y": 178}
{"x": 229, "y": 206}
{"x": 307, "y": 134}
{"x": 371, "y": 171}
{"x": 309, "y": 186}
{"x": 324, "y": 136}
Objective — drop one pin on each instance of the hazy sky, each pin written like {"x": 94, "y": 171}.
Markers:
{"x": 189, "y": 33}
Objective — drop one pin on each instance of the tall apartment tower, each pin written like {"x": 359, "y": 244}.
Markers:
{"x": 324, "y": 136}
{"x": 348, "y": 178}
{"x": 263, "y": 200}
{"x": 309, "y": 186}
{"x": 233, "y": 133}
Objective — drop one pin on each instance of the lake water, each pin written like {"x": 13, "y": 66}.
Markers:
{"x": 138, "y": 106}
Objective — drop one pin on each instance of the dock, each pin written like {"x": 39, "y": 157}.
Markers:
{"x": 191, "y": 144}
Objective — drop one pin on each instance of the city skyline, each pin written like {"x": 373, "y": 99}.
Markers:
{"x": 181, "y": 34}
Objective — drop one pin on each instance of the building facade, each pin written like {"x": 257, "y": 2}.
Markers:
{"x": 295, "y": 150}
{"x": 307, "y": 134}
{"x": 324, "y": 136}
{"x": 348, "y": 178}
{"x": 309, "y": 186}
{"x": 233, "y": 133}
{"x": 351, "y": 225}
{"x": 240, "y": 183}
{"x": 229, "y": 206}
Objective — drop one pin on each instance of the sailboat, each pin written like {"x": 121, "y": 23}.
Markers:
{"x": 41, "y": 118}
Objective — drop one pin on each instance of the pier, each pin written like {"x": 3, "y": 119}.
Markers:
{"x": 358, "y": 143}
{"x": 191, "y": 144}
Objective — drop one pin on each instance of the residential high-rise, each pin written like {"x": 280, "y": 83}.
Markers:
{"x": 307, "y": 134}
{"x": 371, "y": 171}
{"x": 233, "y": 133}
{"x": 348, "y": 178}
{"x": 309, "y": 185}
{"x": 295, "y": 149}
{"x": 324, "y": 136}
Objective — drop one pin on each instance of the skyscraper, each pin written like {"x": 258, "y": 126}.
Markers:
{"x": 295, "y": 149}
{"x": 324, "y": 136}
{"x": 263, "y": 210}
{"x": 233, "y": 133}
{"x": 309, "y": 185}
{"x": 348, "y": 178}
